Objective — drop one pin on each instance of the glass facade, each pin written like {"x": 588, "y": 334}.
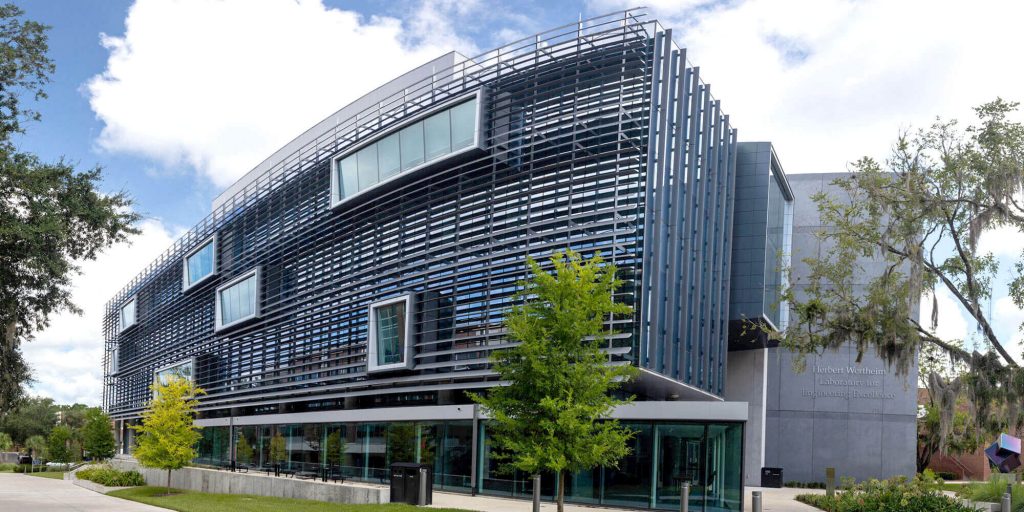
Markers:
{"x": 708, "y": 455}
{"x": 774, "y": 257}
{"x": 358, "y": 451}
{"x": 200, "y": 264}
{"x": 238, "y": 301}
{"x": 435, "y": 137}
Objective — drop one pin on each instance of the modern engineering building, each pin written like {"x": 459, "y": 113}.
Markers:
{"x": 347, "y": 292}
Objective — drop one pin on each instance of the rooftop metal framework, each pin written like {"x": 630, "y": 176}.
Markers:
{"x": 597, "y": 136}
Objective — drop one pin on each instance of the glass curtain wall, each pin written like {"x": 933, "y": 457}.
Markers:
{"x": 662, "y": 455}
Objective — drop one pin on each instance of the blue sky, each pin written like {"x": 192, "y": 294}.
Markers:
{"x": 176, "y": 99}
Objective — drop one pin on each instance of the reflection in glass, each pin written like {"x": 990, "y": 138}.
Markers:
{"x": 774, "y": 261}
{"x": 238, "y": 301}
{"x": 200, "y": 263}
{"x": 437, "y": 135}
{"x": 390, "y": 335}
{"x": 349, "y": 181}
{"x": 463, "y": 125}
{"x": 128, "y": 314}
{"x": 388, "y": 156}
{"x": 367, "y": 159}
{"x": 412, "y": 146}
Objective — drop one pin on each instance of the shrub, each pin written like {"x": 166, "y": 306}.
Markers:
{"x": 8, "y": 467}
{"x": 992, "y": 491}
{"x": 110, "y": 477}
{"x": 922, "y": 494}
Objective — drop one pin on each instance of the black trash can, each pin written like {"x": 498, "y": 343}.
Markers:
{"x": 771, "y": 477}
{"x": 407, "y": 479}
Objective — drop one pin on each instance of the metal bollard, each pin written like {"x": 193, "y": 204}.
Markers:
{"x": 536, "y": 493}
{"x": 684, "y": 497}
{"x": 1006, "y": 502}
{"x": 755, "y": 501}
{"x": 422, "y": 501}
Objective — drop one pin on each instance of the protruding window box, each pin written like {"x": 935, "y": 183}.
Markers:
{"x": 452, "y": 129}
{"x": 238, "y": 300}
{"x": 390, "y": 344}
{"x": 199, "y": 264}
{"x": 127, "y": 315}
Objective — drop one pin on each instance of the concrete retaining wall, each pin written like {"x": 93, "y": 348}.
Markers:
{"x": 226, "y": 482}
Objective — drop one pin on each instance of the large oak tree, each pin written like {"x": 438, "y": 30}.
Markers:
{"x": 52, "y": 216}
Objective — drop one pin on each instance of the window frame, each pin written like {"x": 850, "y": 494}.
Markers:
{"x": 185, "y": 286}
{"x": 218, "y": 322}
{"x": 477, "y": 95}
{"x": 191, "y": 362}
{"x": 408, "y": 344}
{"x": 135, "y": 314}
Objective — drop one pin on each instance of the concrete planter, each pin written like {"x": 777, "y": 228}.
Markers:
{"x": 983, "y": 506}
{"x": 227, "y": 482}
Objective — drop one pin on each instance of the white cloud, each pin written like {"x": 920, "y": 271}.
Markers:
{"x": 1010, "y": 318}
{"x": 829, "y": 81}
{"x": 220, "y": 85}
{"x": 66, "y": 358}
{"x": 1005, "y": 242}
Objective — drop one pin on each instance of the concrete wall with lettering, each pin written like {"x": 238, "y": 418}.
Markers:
{"x": 859, "y": 418}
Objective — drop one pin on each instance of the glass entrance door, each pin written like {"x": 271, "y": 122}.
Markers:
{"x": 680, "y": 458}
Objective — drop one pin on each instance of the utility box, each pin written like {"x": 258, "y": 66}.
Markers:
{"x": 771, "y": 477}
{"x": 412, "y": 483}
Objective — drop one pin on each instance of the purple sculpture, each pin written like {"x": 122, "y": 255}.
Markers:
{"x": 1004, "y": 454}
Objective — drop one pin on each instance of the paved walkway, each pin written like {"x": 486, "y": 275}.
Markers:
{"x": 781, "y": 500}
{"x": 773, "y": 500}
{"x": 36, "y": 494}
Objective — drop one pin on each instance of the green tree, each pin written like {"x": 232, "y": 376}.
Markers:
{"x": 923, "y": 213}
{"x": 336, "y": 447}
{"x": 244, "y": 451}
{"x": 58, "y": 445}
{"x": 34, "y": 416}
{"x": 97, "y": 435}
{"x": 52, "y": 216}
{"x": 168, "y": 434}
{"x": 6, "y": 443}
{"x": 962, "y": 438}
{"x": 278, "y": 451}
{"x": 552, "y": 414}
{"x": 36, "y": 446}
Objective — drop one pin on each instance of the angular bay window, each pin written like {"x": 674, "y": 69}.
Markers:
{"x": 441, "y": 134}
{"x": 127, "y": 317}
{"x": 200, "y": 263}
{"x": 238, "y": 300}
{"x": 390, "y": 332}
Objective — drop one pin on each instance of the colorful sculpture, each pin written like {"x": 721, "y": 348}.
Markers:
{"x": 1004, "y": 454}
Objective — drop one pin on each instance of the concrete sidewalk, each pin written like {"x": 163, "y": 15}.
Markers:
{"x": 773, "y": 500}
{"x": 33, "y": 493}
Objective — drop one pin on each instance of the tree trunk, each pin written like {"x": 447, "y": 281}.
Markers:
{"x": 168, "y": 482}
{"x": 561, "y": 490}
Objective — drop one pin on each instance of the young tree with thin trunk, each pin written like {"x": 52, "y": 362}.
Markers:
{"x": 923, "y": 213}
{"x": 553, "y": 413}
{"x": 97, "y": 435}
{"x": 168, "y": 434}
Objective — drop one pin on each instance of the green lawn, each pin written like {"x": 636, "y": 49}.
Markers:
{"x": 187, "y": 501}
{"x": 56, "y": 475}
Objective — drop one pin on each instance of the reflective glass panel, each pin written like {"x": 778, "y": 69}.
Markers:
{"x": 238, "y": 301}
{"x": 390, "y": 334}
{"x": 128, "y": 315}
{"x": 388, "y": 156}
{"x": 367, "y": 159}
{"x": 775, "y": 246}
{"x": 437, "y": 135}
{"x": 412, "y": 146}
{"x": 349, "y": 182}
{"x": 200, "y": 263}
{"x": 463, "y": 125}
{"x": 723, "y": 484}
{"x": 680, "y": 459}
